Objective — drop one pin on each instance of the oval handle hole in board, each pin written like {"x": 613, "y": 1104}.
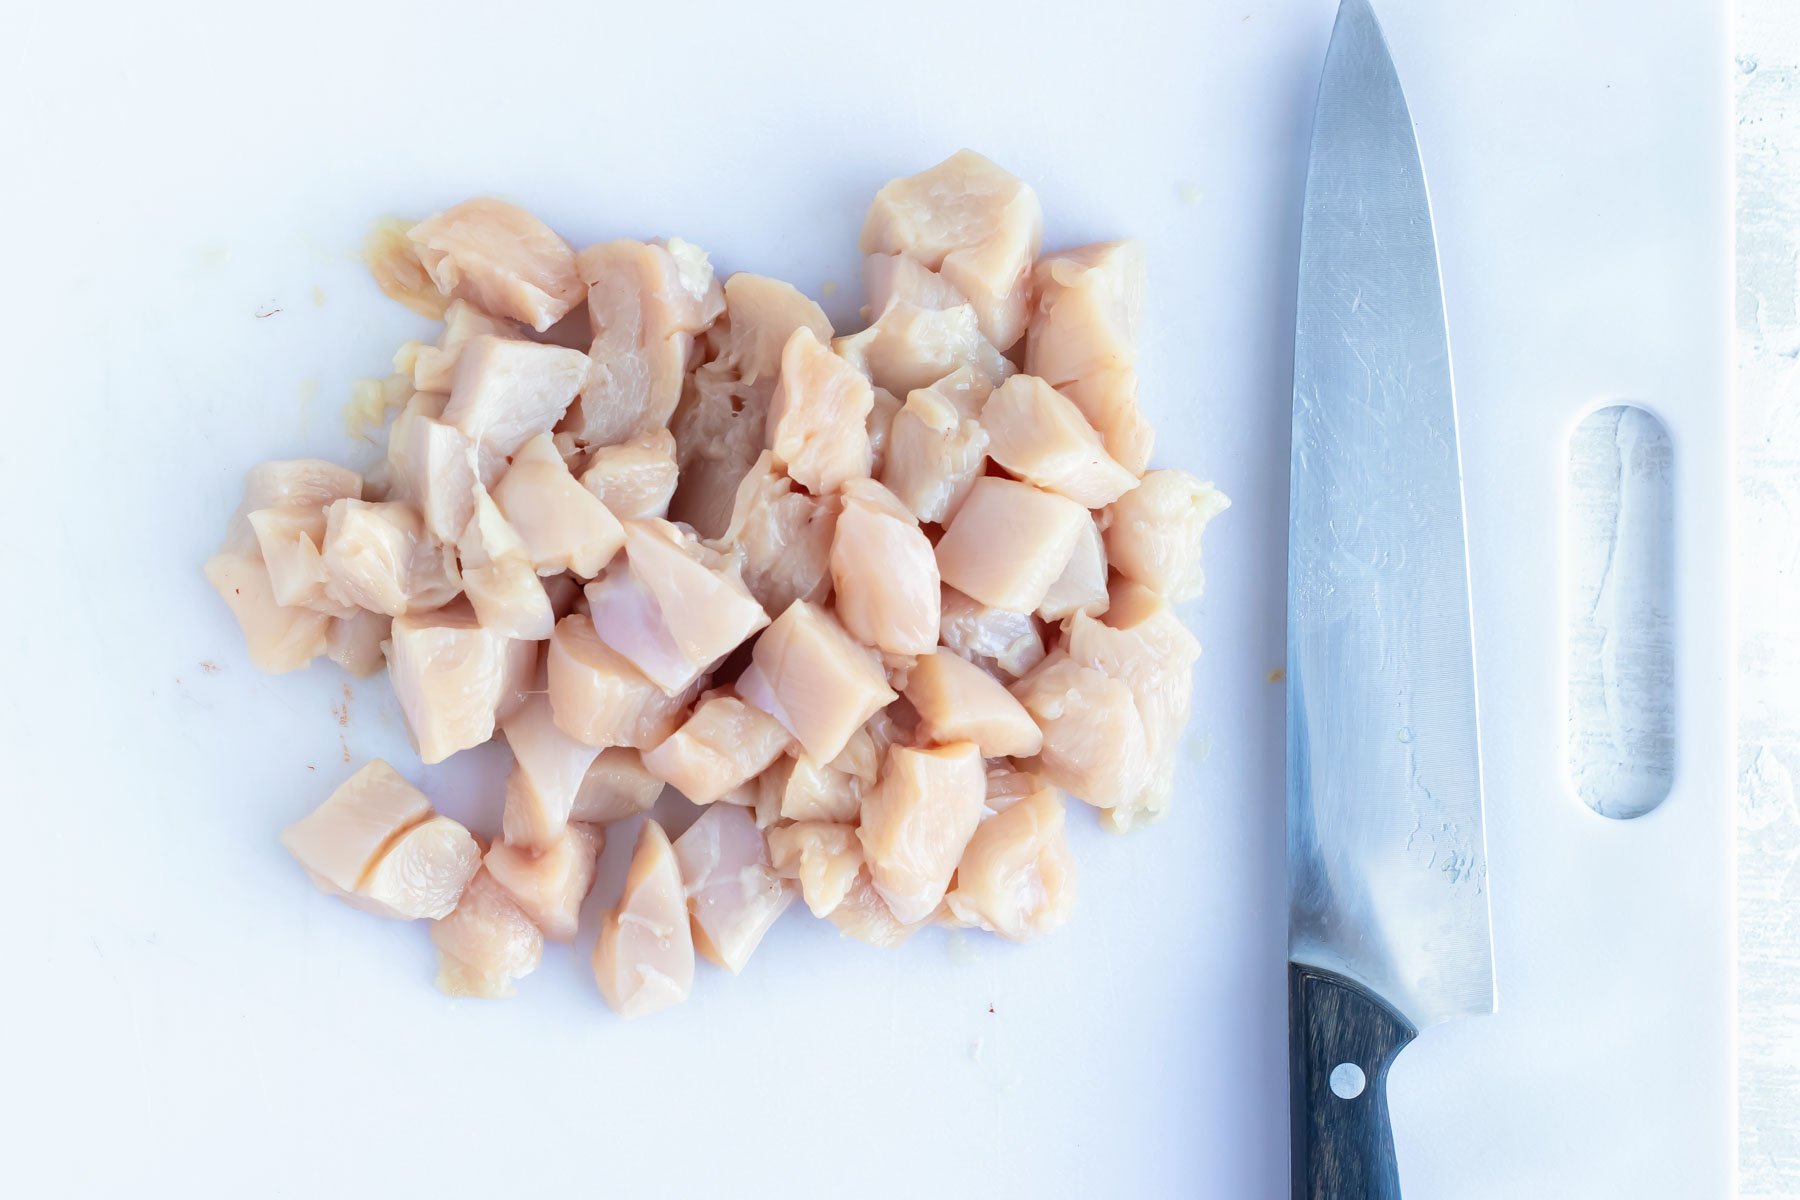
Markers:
{"x": 1620, "y": 595}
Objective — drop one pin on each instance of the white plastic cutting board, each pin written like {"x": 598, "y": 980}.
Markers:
{"x": 183, "y": 1015}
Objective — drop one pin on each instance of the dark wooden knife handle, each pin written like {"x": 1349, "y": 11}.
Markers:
{"x": 1343, "y": 1145}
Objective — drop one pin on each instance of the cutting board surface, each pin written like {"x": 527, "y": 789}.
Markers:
{"x": 188, "y": 196}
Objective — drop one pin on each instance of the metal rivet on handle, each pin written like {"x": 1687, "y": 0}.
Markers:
{"x": 1347, "y": 1081}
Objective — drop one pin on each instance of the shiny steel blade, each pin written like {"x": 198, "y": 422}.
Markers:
{"x": 1387, "y": 863}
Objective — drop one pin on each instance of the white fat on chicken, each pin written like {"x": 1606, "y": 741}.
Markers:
{"x": 672, "y": 606}
{"x": 278, "y": 639}
{"x": 487, "y": 943}
{"x": 883, "y": 572}
{"x": 1039, "y": 435}
{"x": 1009, "y": 542}
{"x": 780, "y": 538}
{"x": 452, "y": 677}
{"x": 617, "y": 785}
{"x": 599, "y": 698}
{"x": 1153, "y": 533}
{"x": 812, "y": 676}
{"x": 909, "y": 347}
{"x": 1000, "y": 641}
{"x": 916, "y": 822}
{"x": 549, "y": 768}
{"x": 958, "y": 701}
{"x": 433, "y": 367}
{"x": 287, "y": 483}
{"x": 1017, "y": 877}
{"x": 505, "y": 392}
{"x": 501, "y": 259}
{"x": 825, "y": 858}
{"x": 935, "y": 448}
{"x": 499, "y": 578}
{"x": 818, "y": 419}
{"x": 634, "y": 479}
{"x": 550, "y": 881}
{"x": 733, "y": 893}
{"x": 1094, "y": 743}
{"x": 1082, "y": 339}
{"x": 1082, "y": 585}
{"x": 354, "y": 642}
{"x": 644, "y": 958}
{"x": 564, "y": 526}
{"x": 722, "y": 746}
{"x": 380, "y": 556}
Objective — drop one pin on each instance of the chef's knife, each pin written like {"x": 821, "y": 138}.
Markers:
{"x": 1387, "y": 863}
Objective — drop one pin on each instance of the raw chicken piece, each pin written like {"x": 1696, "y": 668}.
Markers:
{"x": 733, "y": 894}
{"x": 909, "y": 347}
{"x": 498, "y": 576}
{"x": 487, "y": 944}
{"x": 818, "y": 419}
{"x": 1094, "y": 743}
{"x": 723, "y": 745}
{"x": 916, "y": 823}
{"x": 634, "y": 479}
{"x": 1017, "y": 877}
{"x": 339, "y": 842}
{"x": 780, "y": 538}
{"x": 1083, "y": 340}
{"x": 719, "y": 432}
{"x": 809, "y": 790}
{"x": 501, "y": 259}
{"x": 999, "y": 641}
{"x": 1006, "y": 786}
{"x": 504, "y": 393}
{"x": 550, "y": 883}
{"x": 881, "y": 424}
{"x": 288, "y": 540}
{"x": 434, "y": 467}
{"x": 422, "y": 874}
{"x": 450, "y": 676}
{"x": 393, "y": 260}
{"x": 671, "y": 606}
{"x": 810, "y": 675}
{"x": 889, "y": 279}
{"x": 434, "y": 366}
{"x": 764, "y": 313}
{"x": 935, "y": 449}
{"x": 884, "y": 572}
{"x": 278, "y": 639}
{"x": 824, "y": 857}
{"x": 287, "y": 483}
{"x": 646, "y": 302}
{"x": 644, "y": 959}
{"x": 1040, "y": 436}
{"x": 1109, "y": 403}
{"x": 616, "y": 786}
{"x": 380, "y": 556}
{"x": 1082, "y": 585}
{"x": 564, "y": 526}
{"x": 864, "y": 915}
{"x": 549, "y": 768}
{"x": 1009, "y": 542}
{"x": 354, "y": 642}
{"x": 958, "y": 701}
{"x": 597, "y": 697}
{"x": 973, "y": 223}
{"x": 1153, "y": 533}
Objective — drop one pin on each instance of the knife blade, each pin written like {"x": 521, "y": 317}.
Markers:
{"x": 1388, "y": 926}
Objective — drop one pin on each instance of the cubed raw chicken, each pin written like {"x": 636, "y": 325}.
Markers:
{"x": 809, "y": 790}
{"x": 1153, "y": 533}
{"x": 393, "y": 260}
{"x": 764, "y": 313}
{"x": 354, "y": 642}
{"x": 634, "y": 479}
{"x": 719, "y": 431}
{"x": 780, "y": 538}
{"x": 646, "y": 302}
{"x": 498, "y": 576}
{"x": 1082, "y": 339}
{"x": 617, "y": 785}
{"x": 451, "y": 677}
{"x": 501, "y": 259}
{"x": 1009, "y": 542}
{"x": 644, "y": 958}
{"x": 1002, "y": 642}
{"x": 884, "y": 572}
{"x": 1017, "y": 877}
{"x": 434, "y": 366}
{"x": 1109, "y": 402}
{"x": 339, "y": 842}
{"x": 809, "y": 674}
{"x": 549, "y": 882}
{"x": 380, "y": 556}
{"x": 288, "y": 540}
{"x": 1006, "y": 786}
{"x": 723, "y": 745}
{"x": 287, "y": 483}
{"x": 671, "y": 606}
{"x": 900, "y": 278}
{"x": 598, "y": 697}
{"x": 733, "y": 894}
{"x": 549, "y": 768}
{"x": 1040, "y": 436}
{"x": 504, "y": 393}
{"x": 935, "y": 449}
{"x": 864, "y": 915}
{"x": 433, "y": 466}
{"x": 824, "y": 857}
{"x": 916, "y": 823}
{"x": 1094, "y": 742}
{"x": 972, "y": 222}
{"x": 422, "y": 874}
{"x": 909, "y": 347}
{"x": 818, "y": 419}
{"x": 1082, "y": 585}
{"x": 880, "y": 423}
{"x": 958, "y": 701}
{"x": 565, "y": 527}
{"x": 278, "y": 639}
{"x": 487, "y": 944}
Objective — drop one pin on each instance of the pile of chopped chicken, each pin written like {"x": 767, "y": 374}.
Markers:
{"x": 873, "y": 602}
